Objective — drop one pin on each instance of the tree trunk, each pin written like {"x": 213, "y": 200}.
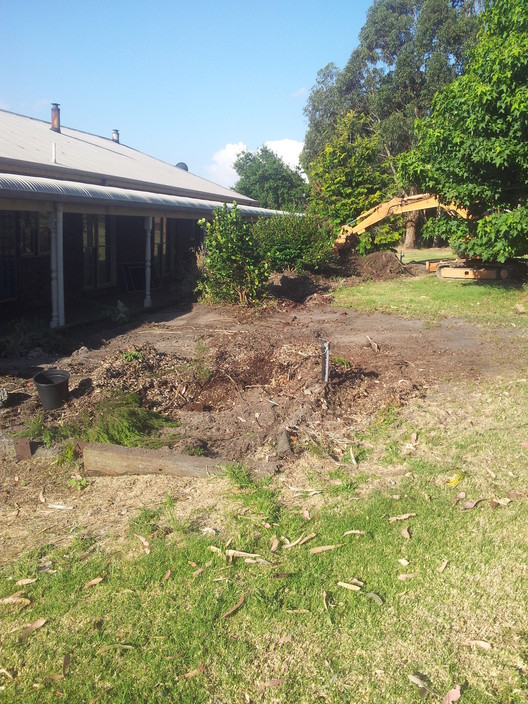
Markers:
{"x": 410, "y": 230}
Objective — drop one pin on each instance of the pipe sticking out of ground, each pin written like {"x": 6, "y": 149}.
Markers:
{"x": 325, "y": 360}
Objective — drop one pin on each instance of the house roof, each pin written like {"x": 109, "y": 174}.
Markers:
{"x": 29, "y": 147}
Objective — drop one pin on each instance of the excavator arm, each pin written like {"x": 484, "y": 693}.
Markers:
{"x": 457, "y": 269}
{"x": 395, "y": 206}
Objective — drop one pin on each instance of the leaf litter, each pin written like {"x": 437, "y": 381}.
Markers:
{"x": 31, "y": 628}
{"x": 324, "y": 548}
{"x": 235, "y": 608}
{"x": 453, "y": 695}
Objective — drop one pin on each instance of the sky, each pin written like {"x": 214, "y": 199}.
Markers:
{"x": 193, "y": 81}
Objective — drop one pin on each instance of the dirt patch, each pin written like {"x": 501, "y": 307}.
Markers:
{"x": 235, "y": 381}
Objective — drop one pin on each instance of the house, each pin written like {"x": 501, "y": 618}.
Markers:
{"x": 83, "y": 216}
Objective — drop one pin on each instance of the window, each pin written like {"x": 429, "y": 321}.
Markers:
{"x": 160, "y": 251}
{"x": 99, "y": 251}
{"x": 35, "y": 238}
{"x": 8, "y": 261}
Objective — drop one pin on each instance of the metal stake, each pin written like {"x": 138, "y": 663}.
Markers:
{"x": 325, "y": 360}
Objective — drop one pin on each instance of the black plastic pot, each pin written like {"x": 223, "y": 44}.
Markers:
{"x": 52, "y": 387}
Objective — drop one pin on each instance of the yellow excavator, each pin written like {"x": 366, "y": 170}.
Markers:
{"x": 448, "y": 269}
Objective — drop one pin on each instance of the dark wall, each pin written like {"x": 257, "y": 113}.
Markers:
{"x": 73, "y": 256}
{"x": 34, "y": 272}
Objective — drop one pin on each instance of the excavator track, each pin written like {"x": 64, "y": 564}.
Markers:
{"x": 473, "y": 270}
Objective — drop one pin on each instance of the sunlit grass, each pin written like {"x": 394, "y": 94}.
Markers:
{"x": 161, "y": 626}
{"x": 427, "y": 297}
{"x": 425, "y": 254}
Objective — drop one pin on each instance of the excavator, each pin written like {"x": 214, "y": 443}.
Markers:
{"x": 449, "y": 269}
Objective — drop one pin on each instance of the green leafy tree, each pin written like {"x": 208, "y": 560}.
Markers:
{"x": 347, "y": 177}
{"x": 408, "y": 49}
{"x": 322, "y": 110}
{"x": 473, "y": 149}
{"x": 292, "y": 241}
{"x": 265, "y": 177}
{"x": 233, "y": 268}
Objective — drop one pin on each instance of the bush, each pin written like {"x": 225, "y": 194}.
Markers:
{"x": 445, "y": 229}
{"x": 233, "y": 267}
{"x": 378, "y": 239}
{"x": 499, "y": 237}
{"x": 292, "y": 241}
{"x": 21, "y": 336}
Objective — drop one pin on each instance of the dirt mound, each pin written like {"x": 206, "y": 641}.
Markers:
{"x": 292, "y": 286}
{"x": 377, "y": 266}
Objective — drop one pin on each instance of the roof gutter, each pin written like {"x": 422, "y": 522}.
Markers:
{"x": 73, "y": 193}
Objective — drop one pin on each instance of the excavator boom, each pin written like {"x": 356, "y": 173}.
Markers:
{"x": 459, "y": 269}
{"x": 395, "y": 206}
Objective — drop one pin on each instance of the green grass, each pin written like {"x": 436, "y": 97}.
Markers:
{"x": 426, "y": 297}
{"x": 118, "y": 418}
{"x": 140, "y": 635}
{"x": 135, "y": 637}
{"x": 426, "y": 254}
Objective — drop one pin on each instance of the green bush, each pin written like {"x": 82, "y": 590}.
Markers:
{"x": 378, "y": 239}
{"x": 293, "y": 241}
{"x": 445, "y": 229}
{"x": 233, "y": 267}
{"x": 498, "y": 237}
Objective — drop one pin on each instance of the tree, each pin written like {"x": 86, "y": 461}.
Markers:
{"x": 347, "y": 177}
{"x": 473, "y": 149}
{"x": 265, "y": 177}
{"x": 408, "y": 49}
{"x": 322, "y": 110}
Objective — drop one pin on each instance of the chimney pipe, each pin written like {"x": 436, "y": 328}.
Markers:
{"x": 115, "y": 136}
{"x": 55, "y": 117}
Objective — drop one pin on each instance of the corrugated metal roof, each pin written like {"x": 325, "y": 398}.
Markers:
{"x": 27, "y": 146}
{"x": 33, "y": 188}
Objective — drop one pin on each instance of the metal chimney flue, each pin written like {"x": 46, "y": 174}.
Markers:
{"x": 115, "y": 136}
{"x": 55, "y": 117}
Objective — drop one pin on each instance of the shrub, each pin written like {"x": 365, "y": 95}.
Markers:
{"x": 445, "y": 229}
{"x": 233, "y": 267}
{"x": 498, "y": 237}
{"x": 294, "y": 242}
{"x": 21, "y": 336}
{"x": 378, "y": 239}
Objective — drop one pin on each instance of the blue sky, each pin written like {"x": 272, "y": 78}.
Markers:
{"x": 182, "y": 81}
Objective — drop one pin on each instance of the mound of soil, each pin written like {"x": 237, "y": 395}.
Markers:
{"x": 377, "y": 266}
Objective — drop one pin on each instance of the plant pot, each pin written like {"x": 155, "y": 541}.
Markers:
{"x": 52, "y": 387}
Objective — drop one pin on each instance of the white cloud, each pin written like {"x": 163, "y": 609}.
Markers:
{"x": 221, "y": 170}
{"x": 300, "y": 93}
{"x": 288, "y": 150}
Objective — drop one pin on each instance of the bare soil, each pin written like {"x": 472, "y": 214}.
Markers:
{"x": 238, "y": 381}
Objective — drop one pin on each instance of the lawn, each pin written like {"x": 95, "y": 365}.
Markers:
{"x": 429, "y": 298}
{"x": 426, "y": 254}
